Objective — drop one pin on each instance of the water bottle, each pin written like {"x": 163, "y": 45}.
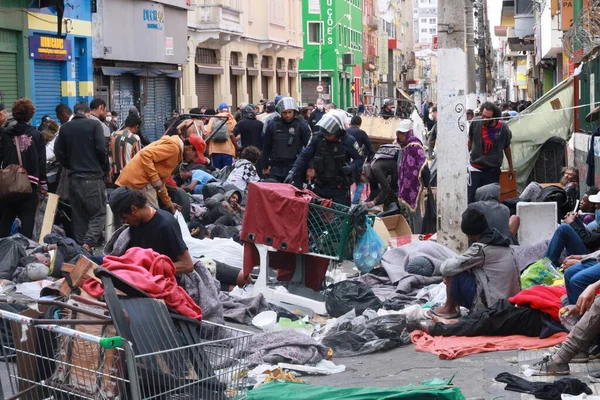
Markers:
{"x": 569, "y": 316}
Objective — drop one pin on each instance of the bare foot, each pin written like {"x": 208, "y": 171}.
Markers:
{"x": 444, "y": 312}
{"x": 445, "y": 321}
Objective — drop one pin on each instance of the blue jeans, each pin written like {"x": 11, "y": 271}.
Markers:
{"x": 221, "y": 160}
{"x": 463, "y": 289}
{"x": 565, "y": 237}
{"x": 580, "y": 276}
{"x": 358, "y": 192}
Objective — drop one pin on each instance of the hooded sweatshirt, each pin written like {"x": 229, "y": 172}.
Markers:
{"x": 496, "y": 214}
{"x": 33, "y": 150}
{"x": 491, "y": 261}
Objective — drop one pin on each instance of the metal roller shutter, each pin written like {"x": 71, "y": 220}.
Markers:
{"x": 123, "y": 95}
{"x": 47, "y": 89}
{"x": 149, "y": 109}
{"x": 165, "y": 93}
{"x": 234, "y": 91}
{"x": 9, "y": 77}
{"x": 205, "y": 90}
{"x": 249, "y": 86}
{"x": 309, "y": 89}
{"x": 265, "y": 86}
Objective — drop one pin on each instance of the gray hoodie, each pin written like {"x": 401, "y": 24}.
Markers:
{"x": 493, "y": 266}
{"x": 496, "y": 214}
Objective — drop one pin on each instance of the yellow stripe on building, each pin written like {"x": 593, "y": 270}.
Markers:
{"x": 46, "y": 22}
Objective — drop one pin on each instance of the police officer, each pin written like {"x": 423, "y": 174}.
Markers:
{"x": 386, "y": 110}
{"x": 285, "y": 137}
{"x": 335, "y": 156}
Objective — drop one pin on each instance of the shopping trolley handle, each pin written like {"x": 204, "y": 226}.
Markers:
{"x": 111, "y": 342}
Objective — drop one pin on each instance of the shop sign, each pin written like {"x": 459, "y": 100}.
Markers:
{"x": 50, "y": 48}
{"x": 329, "y": 23}
{"x": 154, "y": 19}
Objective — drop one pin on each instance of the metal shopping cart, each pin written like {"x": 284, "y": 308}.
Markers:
{"x": 68, "y": 358}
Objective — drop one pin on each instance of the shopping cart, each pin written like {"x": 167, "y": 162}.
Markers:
{"x": 83, "y": 359}
{"x": 330, "y": 231}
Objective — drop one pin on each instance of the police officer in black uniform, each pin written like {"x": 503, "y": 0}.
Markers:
{"x": 285, "y": 137}
{"x": 386, "y": 110}
{"x": 335, "y": 156}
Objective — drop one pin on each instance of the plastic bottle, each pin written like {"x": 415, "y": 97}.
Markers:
{"x": 569, "y": 316}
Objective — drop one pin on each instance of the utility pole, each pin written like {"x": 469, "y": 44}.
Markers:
{"x": 482, "y": 51}
{"x": 452, "y": 154}
{"x": 471, "y": 83}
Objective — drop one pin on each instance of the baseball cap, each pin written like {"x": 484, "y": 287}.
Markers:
{"x": 200, "y": 145}
{"x": 46, "y": 118}
{"x": 405, "y": 125}
{"x": 224, "y": 106}
{"x": 595, "y": 198}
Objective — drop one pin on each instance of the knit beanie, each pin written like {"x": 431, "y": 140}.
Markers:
{"x": 420, "y": 266}
{"x": 120, "y": 199}
{"x": 473, "y": 222}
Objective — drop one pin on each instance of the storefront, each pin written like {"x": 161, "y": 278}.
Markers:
{"x": 142, "y": 73}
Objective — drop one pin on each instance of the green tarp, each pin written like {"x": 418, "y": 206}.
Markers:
{"x": 436, "y": 389}
{"x": 530, "y": 132}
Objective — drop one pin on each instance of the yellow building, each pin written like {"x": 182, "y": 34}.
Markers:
{"x": 241, "y": 51}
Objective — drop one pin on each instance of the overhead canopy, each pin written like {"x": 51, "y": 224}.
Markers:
{"x": 530, "y": 132}
{"x": 116, "y": 71}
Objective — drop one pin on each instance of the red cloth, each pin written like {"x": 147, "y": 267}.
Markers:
{"x": 285, "y": 264}
{"x": 451, "y": 347}
{"x": 543, "y": 298}
{"x": 151, "y": 272}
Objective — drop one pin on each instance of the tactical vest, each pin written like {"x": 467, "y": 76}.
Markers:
{"x": 286, "y": 141}
{"x": 330, "y": 158}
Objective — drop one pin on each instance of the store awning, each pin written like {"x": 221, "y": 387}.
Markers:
{"x": 210, "y": 69}
{"x": 281, "y": 73}
{"x": 236, "y": 70}
{"x": 252, "y": 71}
{"x": 404, "y": 94}
{"x": 115, "y": 71}
{"x": 267, "y": 72}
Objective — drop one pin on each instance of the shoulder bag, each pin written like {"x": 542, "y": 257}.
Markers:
{"x": 14, "y": 180}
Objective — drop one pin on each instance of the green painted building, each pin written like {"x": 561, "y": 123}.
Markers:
{"x": 332, "y": 29}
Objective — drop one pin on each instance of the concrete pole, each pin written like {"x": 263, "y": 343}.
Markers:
{"x": 452, "y": 154}
{"x": 482, "y": 53}
{"x": 471, "y": 84}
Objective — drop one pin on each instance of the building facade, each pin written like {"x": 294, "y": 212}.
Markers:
{"x": 138, "y": 49}
{"x": 333, "y": 51}
{"x": 370, "y": 46}
{"x": 240, "y": 51}
{"x": 43, "y": 57}
{"x": 425, "y": 20}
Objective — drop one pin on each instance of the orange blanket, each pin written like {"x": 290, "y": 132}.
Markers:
{"x": 451, "y": 347}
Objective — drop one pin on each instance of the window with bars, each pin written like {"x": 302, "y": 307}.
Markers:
{"x": 206, "y": 56}
{"x": 234, "y": 59}
{"x": 265, "y": 62}
{"x": 250, "y": 60}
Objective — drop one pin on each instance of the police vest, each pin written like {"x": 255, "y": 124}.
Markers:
{"x": 286, "y": 141}
{"x": 330, "y": 158}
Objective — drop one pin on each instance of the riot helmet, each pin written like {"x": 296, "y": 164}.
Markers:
{"x": 331, "y": 124}
{"x": 286, "y": 103}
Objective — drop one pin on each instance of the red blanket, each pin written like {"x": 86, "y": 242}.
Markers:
{"x": 151, "y": 272}
{"x": 451, "y": 347}
{"x": 539, "y": 297}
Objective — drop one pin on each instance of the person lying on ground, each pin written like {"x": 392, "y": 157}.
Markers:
{"x": 224, "y": 209}
{"x": 497, "y": 214}
{"x": 581, "y": 337}
{"x": 484, "y": 274}
{"x": 195, "y": 179}
{"x": 244, "y": 169}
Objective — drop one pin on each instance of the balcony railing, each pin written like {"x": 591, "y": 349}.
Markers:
{"x": 370, "y": 22}
{"x": 235, "y": 4}
{"x": 223, "y": 15}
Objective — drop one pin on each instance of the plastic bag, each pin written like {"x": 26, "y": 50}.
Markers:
{"x": 368, "y": 251}
{"x": 344, "y": 296}
{"x": 541, "y": 272}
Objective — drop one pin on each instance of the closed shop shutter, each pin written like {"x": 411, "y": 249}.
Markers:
{"x": 265, "y": 86}
{"x": 205, "y": 90}
{"x": 8, "y": 68}
{"x": 249, "y": 86}
{"x": 309, "y": 89}
{"x": 159, "y": 105}
{"x": 47, "y": 88}
{"x": 149, "y": 109}
{"x": 124, "y": 96}
{"x": 165, "y": 93}
{"x": 234, "y": 90}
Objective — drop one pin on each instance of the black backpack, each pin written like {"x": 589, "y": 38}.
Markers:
{"x": 559, "y": 196}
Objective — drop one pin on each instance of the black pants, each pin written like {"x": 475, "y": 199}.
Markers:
{"x": 337, "y": 195}
{"x": 88, "y": 208}
{"x": 384, "y": 181}
{"x": 479, "y": 179}
{"x": 25, "y": 209}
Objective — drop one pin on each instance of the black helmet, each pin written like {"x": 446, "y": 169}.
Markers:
{"x": 388, "y": 102}
{"x": 286, "y": 103}
{"x": 270, "y": 106}
{"x": 331, "y": 124}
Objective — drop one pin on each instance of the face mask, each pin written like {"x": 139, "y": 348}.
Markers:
{"x": 431, "y": 117}
{"x": 108, "y": 119}
{"x": 320, "y": 107}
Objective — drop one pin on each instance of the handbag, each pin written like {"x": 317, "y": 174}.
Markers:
{"x": 14, "y": 180}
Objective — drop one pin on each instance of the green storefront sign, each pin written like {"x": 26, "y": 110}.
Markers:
{"x": 332, "y": 28}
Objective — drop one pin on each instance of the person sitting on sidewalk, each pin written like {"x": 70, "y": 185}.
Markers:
{"x": 484, "y": 274}
{"x": 497, "y": 214}
{"x": 581, "y": 337}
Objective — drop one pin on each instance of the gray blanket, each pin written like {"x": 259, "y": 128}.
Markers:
{"x": 526, "y": 255}
{"x": 394, "y": 261}
{"x": 242, "y": 310}
{"x": 287, "y": 346}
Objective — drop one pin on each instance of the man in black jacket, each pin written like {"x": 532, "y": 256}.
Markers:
{"x": 81, "y": 149}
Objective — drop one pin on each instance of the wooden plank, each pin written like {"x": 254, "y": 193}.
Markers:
{"x": 49, "y": 215}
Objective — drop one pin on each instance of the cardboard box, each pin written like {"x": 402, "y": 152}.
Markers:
{"x": 397, "y": 225}
{"x": 402, "y": 240}
{"x": 381, "y": 230}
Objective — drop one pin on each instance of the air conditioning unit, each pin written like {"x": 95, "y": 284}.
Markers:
{"x": 348, "y": 59}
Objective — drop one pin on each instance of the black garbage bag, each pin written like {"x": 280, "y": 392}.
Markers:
{"x": 11, "y": 251}
{"x": 367, "y": 333}
{"x": 344, "y": 296}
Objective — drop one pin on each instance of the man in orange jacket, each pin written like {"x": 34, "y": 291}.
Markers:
{"x": 152, "y": 166}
